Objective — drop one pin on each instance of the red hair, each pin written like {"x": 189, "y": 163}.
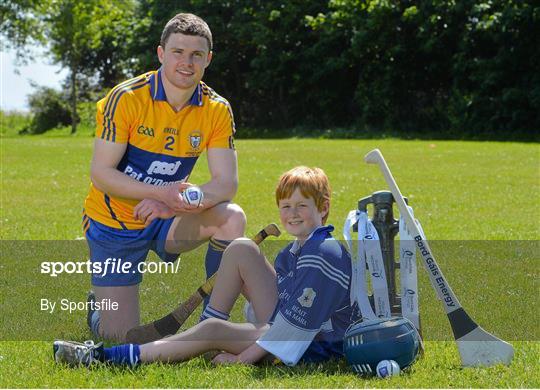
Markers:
{"x": 312, "y": 183}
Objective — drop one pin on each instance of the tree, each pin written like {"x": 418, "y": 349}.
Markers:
{"x": 49, "y": 109}
{"x": 444, "y": 67}
{"x": 85, "y": 37}
{"x": 89, "y": 38}
{"x": 449, "y": 67}
{"x": 19, "y": 23}
{"x": 267, "y": 59}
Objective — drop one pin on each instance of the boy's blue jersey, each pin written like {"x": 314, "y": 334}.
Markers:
{"x": 314, "y": 296}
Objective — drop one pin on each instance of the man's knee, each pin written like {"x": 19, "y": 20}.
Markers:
{"x": 237, "y": 217}
{"x": 235, "y": 221}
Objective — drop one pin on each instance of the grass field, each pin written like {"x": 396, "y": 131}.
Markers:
{"x": 478, "y": 203}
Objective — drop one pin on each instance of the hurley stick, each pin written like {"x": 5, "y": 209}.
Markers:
{"x": 476, "y": 346}
{"x": 170, "y": 324}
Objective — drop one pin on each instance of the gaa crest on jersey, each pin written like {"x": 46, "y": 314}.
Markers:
{"x": 307, "y": 297}
{"x": 195, "y": 139}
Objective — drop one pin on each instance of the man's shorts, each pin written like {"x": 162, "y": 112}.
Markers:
{"x": 120, "y": 251}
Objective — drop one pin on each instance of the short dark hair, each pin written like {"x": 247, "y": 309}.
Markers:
{"x": 187, "y": 24}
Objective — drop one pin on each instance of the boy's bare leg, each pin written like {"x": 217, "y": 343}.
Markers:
{"x": 206, "y": 336}
{"x": 114, "y": 324}
{"x": 244, "y": 269}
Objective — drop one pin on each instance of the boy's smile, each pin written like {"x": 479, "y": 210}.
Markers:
{"x": 299, "y": 215}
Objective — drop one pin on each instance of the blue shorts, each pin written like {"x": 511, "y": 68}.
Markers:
{"x": 320, "y": 351}
{"x": 120, "y": 251}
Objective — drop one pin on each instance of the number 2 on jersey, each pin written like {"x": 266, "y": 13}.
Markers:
{"x": 170, "y": 142}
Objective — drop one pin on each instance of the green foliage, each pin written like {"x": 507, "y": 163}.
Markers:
{"x": 18, "y": 23}
{"x": 456, "y": 69}
{"x": 497, "y": 76}
{"x": 87, "y": 113}
{"x": 12, "y": 122}
{"x": 462, "y": 67}
{"x": 459, "y": 69}
{"x": 274, "y": 69}
{"x": 87, "y": 37}
{"x": 49, "y": 110}
{"x": 90, "y": 37}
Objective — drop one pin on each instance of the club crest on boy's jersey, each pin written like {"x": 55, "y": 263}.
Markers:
{"x": 307, "y": 297}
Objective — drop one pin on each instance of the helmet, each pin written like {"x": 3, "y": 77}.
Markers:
{"x": 367, "y": 343}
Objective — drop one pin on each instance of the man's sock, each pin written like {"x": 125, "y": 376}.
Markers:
{"x": 125, "y": 354}
{"x": 92, "y": 317}
{"x": 210, "y": 312}
{"x": 213, "y": 258}
{"x": 94, "y": 323}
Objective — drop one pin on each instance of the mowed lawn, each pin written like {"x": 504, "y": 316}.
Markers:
{"x": 478, "y": 203}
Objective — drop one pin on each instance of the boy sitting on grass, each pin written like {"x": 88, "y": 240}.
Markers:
{"x": 301, "y": 305}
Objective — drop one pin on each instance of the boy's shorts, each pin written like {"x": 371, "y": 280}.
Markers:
{"x": 320, "y": 351}
{"x": 118, "y": 252}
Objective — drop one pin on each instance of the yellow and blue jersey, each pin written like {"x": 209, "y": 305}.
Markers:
{"x": 162, "y": 145}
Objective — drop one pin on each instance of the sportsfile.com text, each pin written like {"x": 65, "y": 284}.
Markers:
{"x": 109, "y": 266}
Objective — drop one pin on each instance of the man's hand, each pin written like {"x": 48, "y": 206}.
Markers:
{"x": 149, "y": 209}
{"x": 170, "y": 196}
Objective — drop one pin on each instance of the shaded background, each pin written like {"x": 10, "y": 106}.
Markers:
{"x": 347, "y": 68}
